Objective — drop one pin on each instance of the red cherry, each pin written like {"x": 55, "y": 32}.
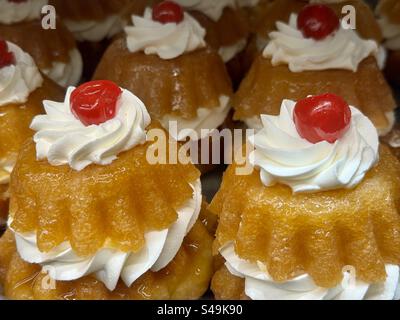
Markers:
{"x": 317, "y": 21}
{"x": 95, "y": 102}
{"x": 325, "y": 117}
{"x": 168, "y": 12}
{"x": 7, "y": 57}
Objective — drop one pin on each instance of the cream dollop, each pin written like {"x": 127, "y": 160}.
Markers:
{"x": 19, "y": 80}
{"x": 259, "y": 285}
{"x": 284, "y": 157}
{"x": 63, "y": 139}
{"x": 198, "y": 128}
{"x": 95, "y": 31}
{"x": 14, "y": 12}
{"x": 168, "y": 40}
{"x": 342, "y": 50}
{"x": 67, "y": 74}
{"x": 110, "y": 264}
{"x": 391, "y": 33}
{"x": 211, "y": 8}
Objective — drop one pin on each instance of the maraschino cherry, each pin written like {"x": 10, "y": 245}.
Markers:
{"x": 7, "y": 57}
{"x": 322, "y": 118}
{"x": 317, "y": 21}
{"x": 168, "y": 12}
{"x": 95, "y": 102}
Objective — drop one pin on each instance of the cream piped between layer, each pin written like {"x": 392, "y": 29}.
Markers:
{"x": 259, "y": 285}
{"x": 67, "y": 74}
{"x": 19, "y": 80}
{"x": 109, "y": 264}
{"x": 63, "y": 139}
{"x": 342, "y": 50}
{"x": 391, "y": 33}
{"x": 211, "y": 8}
{"x": 207, "y": 119}
{"x": 14, "y": 12}
{"x": 168, "y": 40}
{"x": 284, "y": 157}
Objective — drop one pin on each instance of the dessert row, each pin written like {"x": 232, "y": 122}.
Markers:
{"x": 312, "y": 213}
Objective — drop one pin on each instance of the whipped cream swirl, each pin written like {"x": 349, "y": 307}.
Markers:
{"x": 259, "y": 285}
{"x": 391, "y": 33}
{"x": 211, "y": 8}
{"x": 109, "y": 264}
{"x": 168, "y": 40}
{"x": 284, "y": 157}
{"x": 14, "y": 12}
{"x": 63, "y": 139}
{"x": 342, "y": 50}
{"x": 19, "y": 80}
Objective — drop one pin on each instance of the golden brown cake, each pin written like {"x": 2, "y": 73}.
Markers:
{"x": 298, "y": 62}
{"x": 186, "y": 278}
{"x": 134, "y": 223}
{"x": 179, "y": 80}
{"x": 79, "y": 222}
{"x": 388, "y": 12}
{"x": 227, "y": 29}
{"x": 367, "y": 25}
{"x": 53, "y": 49}
{"x": 17, "y": 108}
{"x": 265, "y": 86}
{"x": 291, "y": 237}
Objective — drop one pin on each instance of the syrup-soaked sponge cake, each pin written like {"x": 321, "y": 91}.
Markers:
{"x": 178, "y": 86}
{"x": 317, "y": 233}
{"x": 265, "y": 86}
{"x": 119, "y": 202}
{"x": 186, "y": 277}
{"x": 16, "y": 119}
{"x": 46, "y": 46}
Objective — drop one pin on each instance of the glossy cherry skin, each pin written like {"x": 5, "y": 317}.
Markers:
{"x": 317, "y": 21}
{"x": 322, "y": 118}
{"x": 168, "y": 12}
{"x": 7, "y": 58}
{"x": 95, "y": 102}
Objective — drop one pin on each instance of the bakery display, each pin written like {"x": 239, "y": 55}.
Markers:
{"x": 199, "y": 150}
{"x": 318, "y": 218}
{"x": 54, "y": 50}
